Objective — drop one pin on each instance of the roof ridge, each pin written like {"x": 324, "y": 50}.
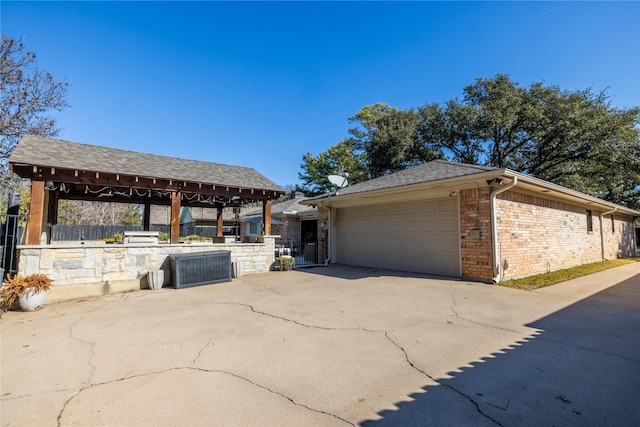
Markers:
{"x": 430, "y": 171}
{"x": 462, "y": 164}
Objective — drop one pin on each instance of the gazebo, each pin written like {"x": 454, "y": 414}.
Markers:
{"x": 67, "y": 170}
{"x": 62, "y": 170}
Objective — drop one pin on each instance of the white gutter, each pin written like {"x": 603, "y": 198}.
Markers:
{"x": 494, "y": 227}
{"x": 602, "y": 230}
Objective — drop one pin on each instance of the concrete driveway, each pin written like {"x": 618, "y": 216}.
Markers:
{"x": 333, "y": 346}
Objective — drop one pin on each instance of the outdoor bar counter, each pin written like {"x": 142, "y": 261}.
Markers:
{"x": 90, "y": 268}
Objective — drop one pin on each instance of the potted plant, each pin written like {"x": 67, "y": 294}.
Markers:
{"x": 163, "y": 237}
{"x": 28, "y": 291}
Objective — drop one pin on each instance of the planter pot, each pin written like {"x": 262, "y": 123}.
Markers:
{"x": 155, "y": 279}
{"x": 236, "y": 269}
{"x": 32, "y": 301}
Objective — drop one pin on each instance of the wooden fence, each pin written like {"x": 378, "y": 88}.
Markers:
{"x": 67, "y": 232}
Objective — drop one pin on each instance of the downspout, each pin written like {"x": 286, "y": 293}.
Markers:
{"x": 602, "y": 230}
{"x": 494, "y": 227}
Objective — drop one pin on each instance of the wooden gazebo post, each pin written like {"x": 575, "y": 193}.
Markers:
{"x": 266, "y": 216}
{"x": 36, "y": 213}
{"x": 220, "y": 222}
{"x": 146, "y": 216}
{"x": 175, "y": 217}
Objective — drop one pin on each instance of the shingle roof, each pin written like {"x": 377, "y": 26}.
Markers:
{"x": 285, "y": 208}
{"x": 36, "y": 150}
{"x": 435, "y": 170}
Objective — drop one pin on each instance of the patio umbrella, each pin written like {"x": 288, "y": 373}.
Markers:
{"x": 185, "y": 216}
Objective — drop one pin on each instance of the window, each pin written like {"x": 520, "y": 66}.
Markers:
{"x": 613, "y": 225}
{"x": 589, "y": 221}
{"x": 253, "y": 228}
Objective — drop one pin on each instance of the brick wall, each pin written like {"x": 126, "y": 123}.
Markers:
{"x": 619, "y": 239}
{"x": 293, "y": 229}
{"x": 537, "y": 235}
{"x": 475, "y": 234}
{"x": 323, "y": 215}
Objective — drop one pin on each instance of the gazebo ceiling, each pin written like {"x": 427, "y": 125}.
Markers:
{"x": 87, "y": 172}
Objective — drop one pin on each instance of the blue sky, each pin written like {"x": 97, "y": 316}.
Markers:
{"x": 260, "y": 84}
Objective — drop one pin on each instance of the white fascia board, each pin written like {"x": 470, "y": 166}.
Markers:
{"x": 567, "y": 193}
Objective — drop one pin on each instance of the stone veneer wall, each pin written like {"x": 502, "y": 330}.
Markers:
{"x": 94, "y": 269}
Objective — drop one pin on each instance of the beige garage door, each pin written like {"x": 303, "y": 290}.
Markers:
{"x": 419, "y": 236}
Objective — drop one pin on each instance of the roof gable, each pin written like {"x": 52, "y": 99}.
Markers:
{"x": 435, "y": 170}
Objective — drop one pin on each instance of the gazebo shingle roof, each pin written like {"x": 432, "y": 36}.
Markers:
{"x": 36, "y": 150}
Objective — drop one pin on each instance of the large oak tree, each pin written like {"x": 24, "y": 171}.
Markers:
{"x": 571, "y": 138}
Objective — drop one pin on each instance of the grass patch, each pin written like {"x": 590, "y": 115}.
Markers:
{"x": 547, "y": 279}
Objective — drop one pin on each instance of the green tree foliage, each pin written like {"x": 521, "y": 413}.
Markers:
{"x": 383, "y": 140}
{"x": 366, "y": 120}
{"x": 387, "y": 139}
{"x": 339, "y": 159}
{"x": 24, "y": 190}
{"x": 574, "y": 139}
{"x": 99, "y": 213}
{"x": 571, "y": 138}
{"x": 394, "y": 144}
{"x": 27, "y": 95}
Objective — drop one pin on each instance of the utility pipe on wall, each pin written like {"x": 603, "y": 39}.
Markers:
{"x": 602, "y": 230}
{"x": 494, "y": 227}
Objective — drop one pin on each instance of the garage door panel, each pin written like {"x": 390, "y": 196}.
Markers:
{"x": 449, "y": 246}
{"x": 448, "y": 224}
{"x": 410, "y": 208}
{"x": 428, "y": 226}
{"x": 416, "y": 236}
{"x": 428, "y": 207}
{"x": 448, "y": 205}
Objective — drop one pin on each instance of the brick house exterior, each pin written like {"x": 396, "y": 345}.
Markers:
{"x": 510, "y": 225}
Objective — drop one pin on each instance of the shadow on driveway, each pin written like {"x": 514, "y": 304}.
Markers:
{"x": 582, "y": 368}
{"x": 355, "y": 273}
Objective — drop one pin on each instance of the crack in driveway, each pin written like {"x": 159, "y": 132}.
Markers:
{"x": 386, "y": 334}
{"x": 466, "y": 396}
{"x": 277, "y": 393}
{"x": 298, "y": 323}
{"x": 305, "y": 325}
{"x": 453, "y": 307}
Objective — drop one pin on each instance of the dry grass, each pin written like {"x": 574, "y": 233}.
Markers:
{"x": 542, "y": 280}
